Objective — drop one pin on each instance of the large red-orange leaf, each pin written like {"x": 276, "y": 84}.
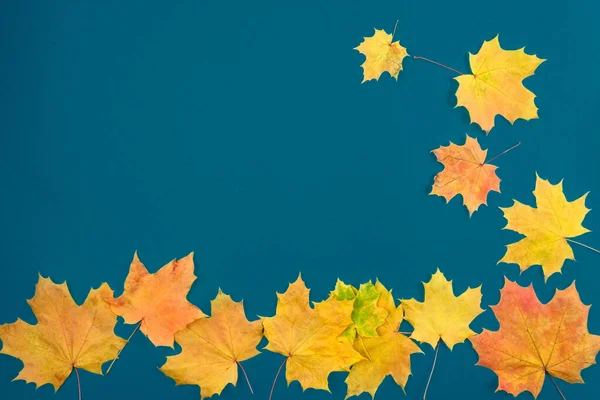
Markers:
{"x": 537, "y": 339}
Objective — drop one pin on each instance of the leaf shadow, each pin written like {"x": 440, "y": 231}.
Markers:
{"x": 427, "y": 189}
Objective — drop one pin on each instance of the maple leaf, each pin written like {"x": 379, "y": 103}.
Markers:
{"x": 381, "y": 55}
{"x": 366, "y": 314}
{"x": 496, "y": 85}
{"x": 535, "y": 339}
{"x": 465, "y": 173}
{"x": 442, "y": 316}
{"x": 308, "y": 337}
{"x": 67, "y": 336}
{"x": 158, "y": 300}
{"x": 386, "y": 354}
{"x": 547, "y": 228}
{"x": 212, "y": 348}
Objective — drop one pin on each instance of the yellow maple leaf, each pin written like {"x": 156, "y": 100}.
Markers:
{"x": 442, "y": 315}
{"x": 67, "y": 336}
{"x": 158, "y": 300}
{"x": 308, "y": 337}
{"x": 212, "y": 348}
{"x": 536, "y": 340}
{"x": 547, "y": 228}
{"x": 380, "y": 360}
{"x": 381, "y": 55}
{"x": 496, "y": 85}
{"x": 465, "y": 173}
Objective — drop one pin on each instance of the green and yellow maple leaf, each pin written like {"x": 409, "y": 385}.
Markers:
{"x": 367, "y": 316}
{"x": 388, "y": 353}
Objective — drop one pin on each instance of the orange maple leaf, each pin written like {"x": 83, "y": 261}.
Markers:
{"x": 465, "y": 173}
{"x": 158, "y": 300}
{"x": 535, "y": 339}
{"x": 213, "y": 348}
{"x": 67, "y": 336}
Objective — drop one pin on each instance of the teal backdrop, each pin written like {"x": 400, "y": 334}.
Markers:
{"x": 241, "y": 131}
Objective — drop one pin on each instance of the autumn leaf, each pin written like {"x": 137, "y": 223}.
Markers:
{"x": 465, "y": 173}
{"x": 496, "y": 85}
{"x": 158, "y": 301}
{"x": 385, "y": 354}
{"x": 367, "y": 316}
{"x": 535, "y": 339}
{"x": 547, "y": 228}
{"x": 308, "y": 337}
{"x": 66, "y": 337}
{"x": 381, "y": 55}
{"x": 442, "y": 316}
{"x": 213, "y": 348}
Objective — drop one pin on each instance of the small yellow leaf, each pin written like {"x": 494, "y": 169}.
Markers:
{"x": 381, "y": 55}
{"x": 496, "y": 85}
{"x": 443, "y": 316}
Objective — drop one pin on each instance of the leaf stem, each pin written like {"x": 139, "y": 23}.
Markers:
{"x": 277, "y": 376}
{"x": 583, "y": 245}
{"x": 394, "y": 32}
{"x": 126, "y": 343}
{"x": 78, "y": 381}
{"x": 245, "y": 375}
{"x": 437, "y": 63}
{"x": 437, "y": 349}
{"x": 405, "y": 333}
{"x": 556, "y": 386}
{"x": 503, "y": 153}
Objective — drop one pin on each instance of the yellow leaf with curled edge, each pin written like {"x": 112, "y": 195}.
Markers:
{"x": 381, "y": 55}
{"x": 308, "y": 337}
{"x": 442, "y": 315}
{"x": 213, "y": 348}
{"x": 465, "y": 173}
{"x": 496, "y": 85}
{"x": 547, "y": 228}
{"x": 380, "y": 361}
{"x": 67, "y": 336}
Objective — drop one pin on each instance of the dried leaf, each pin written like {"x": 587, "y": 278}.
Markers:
{"x": 496, "y": 85}
{"x": 212, "y": 348}
{"x": 536, "y": 339}
{"x": 158, "y": 300}
{"x": 66, "y": 336}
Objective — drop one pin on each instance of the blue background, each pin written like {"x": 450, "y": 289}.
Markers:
{"x": 241, "y": 131}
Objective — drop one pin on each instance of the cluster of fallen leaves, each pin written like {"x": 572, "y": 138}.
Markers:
{"x": 353, "y": 330}
{"x": 535, "y": 340}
